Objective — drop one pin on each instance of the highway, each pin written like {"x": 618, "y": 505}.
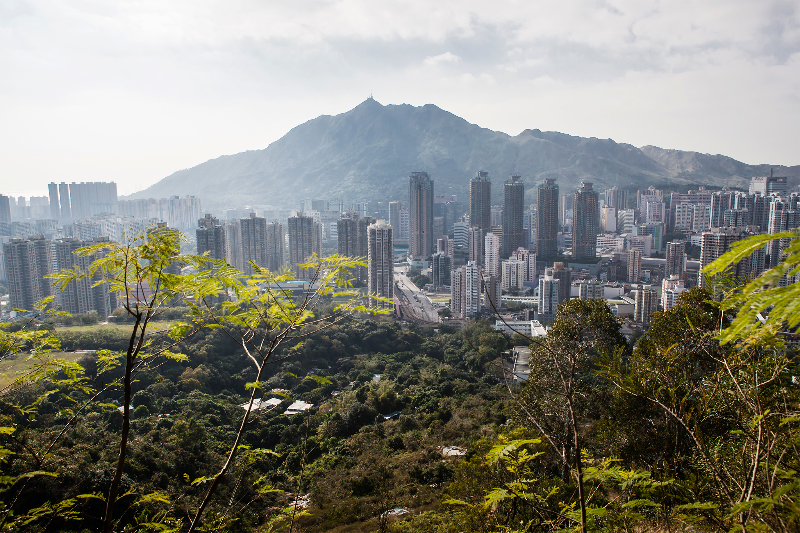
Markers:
{"x": 413, "y": 300}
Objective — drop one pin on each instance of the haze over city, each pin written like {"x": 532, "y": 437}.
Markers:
{"x": 132, "y": 92}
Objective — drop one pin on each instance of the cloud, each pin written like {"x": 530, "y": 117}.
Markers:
{"x": 446, "y": 57}
{"x": 164, "y": 85}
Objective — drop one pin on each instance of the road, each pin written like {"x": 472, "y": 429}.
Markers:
{"x": 413, "y": 300}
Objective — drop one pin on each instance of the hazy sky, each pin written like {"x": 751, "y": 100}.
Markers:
{"x": 132, "y": 91}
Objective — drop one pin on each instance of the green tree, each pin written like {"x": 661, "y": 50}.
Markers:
{"x": 562, "y": 389}
{"x": 263, "y": 317}
{"x": 139, "y": 273}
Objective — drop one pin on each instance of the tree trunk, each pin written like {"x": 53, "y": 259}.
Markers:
{"x": 133, "y": 349}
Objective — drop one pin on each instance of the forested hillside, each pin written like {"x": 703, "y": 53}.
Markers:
{"x": 409, "y": 429}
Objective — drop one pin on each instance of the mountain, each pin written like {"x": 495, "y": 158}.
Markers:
{"x": 367, "y": 153}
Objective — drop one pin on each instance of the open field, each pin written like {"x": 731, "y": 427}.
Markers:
{"x": 156, "y": 326}
{"x": 11, "y": 369}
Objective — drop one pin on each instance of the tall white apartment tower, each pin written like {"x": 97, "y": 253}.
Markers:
{"x": 548, "y": 296}
{"x": 492, "y": 244}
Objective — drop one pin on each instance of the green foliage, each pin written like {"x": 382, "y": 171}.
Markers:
{"x": 768, "y": 294}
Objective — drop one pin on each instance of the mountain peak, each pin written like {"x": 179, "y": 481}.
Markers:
{"x": 370, "y": 102}
{"x": 366, "y": 153}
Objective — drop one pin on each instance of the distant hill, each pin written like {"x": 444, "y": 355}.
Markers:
{"x": 367, "y": 153}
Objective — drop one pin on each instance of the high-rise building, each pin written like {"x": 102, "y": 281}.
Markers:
{"x": 683, "y": 215}
{"x": 403, "y": 231}
{"x": 565, "y": 211}
{"x": 701, "y": 218}
{"x": 721, "y": 201}
{"x": 768, "y": 185}
{"x": 608, "y": 219}
{"x": 645, "y": 304}
{"x": 91, "y": 198}
{"x": 305, "y": 239}
{"x": 784, "y": 215}
{"x": 563, "y": 275}
{"x": 394, "y": 217}
{"x": 528, "y": 258}
{"x": 492, "y": 290}
{"x": 548, "y": 296}
{"x": 547, "y": 214}
{"x": 457, "y": 292}
{"x": 55, "y": 212}
{"x": 513, "y": 207}
{"x": 618, "y": 267}
{"x": 651, "y": 194}
{"x": 617, "y": 198}
{"x": 480, "y": 201}
{"x": 626, "y": 220}
{"x": 82, "y": 296}
{"x": 63, "y": 195}
{"x": 211, "y": 237}
{"x": 233, "y": 241}
{"x": 5, "y": 209}
{"x": 634, "y": 265}
{"x": 276, "y": 246}
{"x": 465, "y": 291}
{"x": 491, "y": 250}
{"x": 584, "y": 224}
{"x": 380, "y": 254}
{"x": 675, "y": 264}
{"x": 671, "y": 289}
{"x": 441, "y": 266}
{"x": 476, "y": 245}
{"x": 529, "y": 227}
{"x": 461, "y": 234}
{"x": 347, "y": 236}
{"x": 420, "y": 215}
{"x": 653, "y": 212}
{"x": 363, "y": 246}
{"x": 27, "y": 263}
{"x": 717, "y": 241}
{"x": 254, "y": 242}
{"x": 438, "y": 229}
{"x": 513, "y": 274}
{"x": 443, "y": 245}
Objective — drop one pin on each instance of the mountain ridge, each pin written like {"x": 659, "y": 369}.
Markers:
{"x": 366, "y": 154}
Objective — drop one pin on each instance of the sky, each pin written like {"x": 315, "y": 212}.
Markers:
{"x": 132, "y": 91}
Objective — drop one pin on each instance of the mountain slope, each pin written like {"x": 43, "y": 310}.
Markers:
{"x": 367, "y": 152}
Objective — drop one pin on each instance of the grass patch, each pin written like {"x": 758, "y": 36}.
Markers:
{"x": 21, "y": 364}
{"x": 153, "y": 326}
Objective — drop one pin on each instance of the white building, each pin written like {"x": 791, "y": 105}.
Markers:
{"x": 529, "y": 328}
{"x": 701, "y": 218}
{"x": 529, "y": 258}
{"x": 608, "y": 219}
{"x": 461, "y": 234}
{"x": 684, "y": 217}
{"x": 590, "y": 290}
{"x": 626, "y": 220}
{"x": 610, "y": 241}
{"x": 465, "y": 291}
{"x": 653, "y": 212}
{"x": 513, "y": 274}
{"x": 671, "y": 289}
{"x": 548, "y": 296}
{"x": 491, "y": 252}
